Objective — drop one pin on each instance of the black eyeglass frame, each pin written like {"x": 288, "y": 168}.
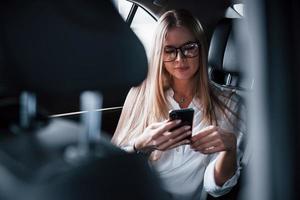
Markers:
{"x": 181, "y": 50}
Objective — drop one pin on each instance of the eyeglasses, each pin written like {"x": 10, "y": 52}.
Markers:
{"x": 188, "y": 50}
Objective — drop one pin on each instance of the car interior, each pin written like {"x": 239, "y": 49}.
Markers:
{"x": 52, "y": 89}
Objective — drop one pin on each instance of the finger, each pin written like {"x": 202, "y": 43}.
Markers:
{"x": 172, "y": 141}
{"x": 178, "y": 131}
{"x": 213, "y": 150}
{"x": 208, "y": 138}
{"x": 172, "y": 137}
{"x": 165, "y": 127}
{"x": 179, "y": 138}
{"x": 204, "y": 132}
{"x": 156, "y": 125}
{"x": 208, "y": 145}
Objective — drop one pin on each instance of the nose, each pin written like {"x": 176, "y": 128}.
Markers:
{"x": 179, "y": 55}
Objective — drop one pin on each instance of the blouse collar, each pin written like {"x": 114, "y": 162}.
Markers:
{"x": 174, "y": 105}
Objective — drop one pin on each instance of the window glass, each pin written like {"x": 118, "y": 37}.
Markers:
{"x": 123, "y": 7}
{"x": 143, "y": 24}
{"x": 239, "y": 8}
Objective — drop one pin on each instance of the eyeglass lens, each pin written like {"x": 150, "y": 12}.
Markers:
{"x": 189, "y": 50}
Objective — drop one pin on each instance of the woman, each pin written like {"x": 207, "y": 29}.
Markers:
{"x": 178, "y": 78}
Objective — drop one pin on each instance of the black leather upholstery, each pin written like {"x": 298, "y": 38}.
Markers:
{"x": 226, "y": 70}
{"x": 58, "y": 48}
{"x": 69, "y": 46}
{"x": 61, "y": 48}
{"x": 224, "y": 66}
{"x": 218, "y": 44}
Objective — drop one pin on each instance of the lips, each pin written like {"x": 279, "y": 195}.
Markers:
{"x": 182, "y": 68}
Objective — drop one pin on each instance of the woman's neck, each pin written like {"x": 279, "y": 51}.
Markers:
{"x": 183, "y": 88}
{"x": 183, "y": 92}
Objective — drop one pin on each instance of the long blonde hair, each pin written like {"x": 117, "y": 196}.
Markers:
{"x": 147, "y": 103}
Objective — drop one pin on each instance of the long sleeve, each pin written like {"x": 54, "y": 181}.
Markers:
{"x": 239, "y": 129}
{"x": 210, "y": 185}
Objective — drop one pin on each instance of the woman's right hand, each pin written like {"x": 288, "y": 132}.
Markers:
{"x": 157, "y": 136}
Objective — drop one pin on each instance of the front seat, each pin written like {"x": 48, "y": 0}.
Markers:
{"x": 58, "y": 49}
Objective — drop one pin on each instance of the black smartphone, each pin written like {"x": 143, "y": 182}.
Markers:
{"x": 186, "y": 116}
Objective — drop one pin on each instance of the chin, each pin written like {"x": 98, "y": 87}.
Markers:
{"x": 183, "y": 78}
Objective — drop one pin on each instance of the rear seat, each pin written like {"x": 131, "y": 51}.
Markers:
{"x": 226, "y": 71}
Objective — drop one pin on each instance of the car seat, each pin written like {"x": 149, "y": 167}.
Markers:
{"x": 58, "y": 49}
{"x": 226, "y": 72}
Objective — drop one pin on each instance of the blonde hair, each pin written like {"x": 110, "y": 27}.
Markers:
{"x": 146, "y": 103}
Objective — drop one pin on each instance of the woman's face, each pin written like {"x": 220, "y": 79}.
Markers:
{"x": 179, "y": 41}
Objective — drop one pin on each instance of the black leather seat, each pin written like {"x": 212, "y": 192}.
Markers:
{"x": 55, "y": 48}
{"x": 58, "y": 49}
{"x": 227, "y": 72}
{"x": 225, "y": 67}
{"x": 216, "y": 58}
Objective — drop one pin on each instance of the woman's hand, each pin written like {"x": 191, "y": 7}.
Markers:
{"x": 213, "y": 139}
{"x": 158, "y": 136}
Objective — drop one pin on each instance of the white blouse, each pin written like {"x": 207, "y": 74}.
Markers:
{"x": 189, "y": 175}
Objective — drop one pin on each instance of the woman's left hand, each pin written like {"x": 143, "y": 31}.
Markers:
{"x": 213, "y": 139}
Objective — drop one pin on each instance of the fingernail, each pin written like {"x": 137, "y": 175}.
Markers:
{"x": 187, "y": 127}
{"x": 189, "y": 133}
{"x": 178, "y": 121}
{"x": 187, "y": 142}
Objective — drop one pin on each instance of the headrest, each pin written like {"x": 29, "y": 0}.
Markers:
{"x": 218, "y": 44}
{"x": 68, "y": 46}
{"x": 223, "y": 57}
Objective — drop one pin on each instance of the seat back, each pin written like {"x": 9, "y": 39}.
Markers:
{"x": 57, "y": 49}
{"x": 64, "y": 47}
{"x": 225, "y": 67}
{"x": 226, "y": 71}
{"x": 222, "y": 68}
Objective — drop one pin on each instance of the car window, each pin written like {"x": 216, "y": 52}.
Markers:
{"x": 239, "y": 8}
{"x": 123, "y": 7}
{"x": 143, "y": 24}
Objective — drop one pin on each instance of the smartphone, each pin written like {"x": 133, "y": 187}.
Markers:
{"x": 186, "y": 116}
